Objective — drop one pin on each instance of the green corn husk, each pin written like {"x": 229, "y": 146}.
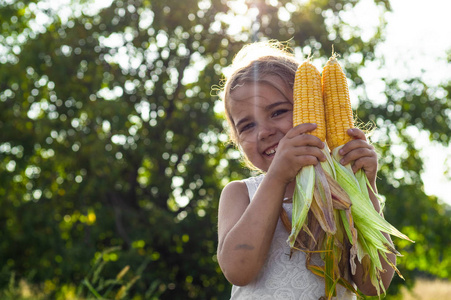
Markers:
{"x": 331, "y": 193}
{"x": 371, "y": 243}
{"x": 320, "y": 208}
{"x": 309, "y": 180}
{"x": 323, "y": 198}
{"x": 302, "y": 199}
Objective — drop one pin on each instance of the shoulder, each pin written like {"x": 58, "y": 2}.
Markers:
{"x": 235, "y": 189}
{"x": 234, "y": 198}
{"x": 246, "y": 187}
{"x": 233, "y": 202}
{"x": 256, "y": 180}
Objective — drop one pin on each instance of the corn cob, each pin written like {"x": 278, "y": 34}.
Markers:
{"x": 308, "y": 105}
{"x": 306, "y": 81}
{"x": 337, "y": 104}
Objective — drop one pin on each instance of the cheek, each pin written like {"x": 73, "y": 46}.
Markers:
{"x": 287, "y": 124}
{"x": 248, "y": 148}
{"x": 247, "y": 137}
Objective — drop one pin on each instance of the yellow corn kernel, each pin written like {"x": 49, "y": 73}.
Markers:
{"x": 337, "y": 102}
{"x": 308, "y": 105}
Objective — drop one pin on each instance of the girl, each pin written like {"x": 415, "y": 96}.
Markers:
{"x": 252, "y": 250}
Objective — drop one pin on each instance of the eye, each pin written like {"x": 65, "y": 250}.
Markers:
{"x": 245, "y": 127}
{"x": 279, "y": 112}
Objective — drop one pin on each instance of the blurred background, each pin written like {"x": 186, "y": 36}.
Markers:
{"x": 113, "y": 150}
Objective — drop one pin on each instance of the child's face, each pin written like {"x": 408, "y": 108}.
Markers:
{"x": 262, "y": 114}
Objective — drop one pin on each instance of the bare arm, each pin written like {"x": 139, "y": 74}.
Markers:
{"x": 246, "y": 228}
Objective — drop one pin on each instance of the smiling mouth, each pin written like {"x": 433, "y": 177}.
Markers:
{"x": 271, "y": 151}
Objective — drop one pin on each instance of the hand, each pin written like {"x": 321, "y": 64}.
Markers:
{"x": 360, "y": 154}
{"x": 296, "y": 150}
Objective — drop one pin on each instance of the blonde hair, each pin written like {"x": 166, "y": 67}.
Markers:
{"x": 251, "y": 64}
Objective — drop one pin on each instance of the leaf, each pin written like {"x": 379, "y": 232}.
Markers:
{"x": 302, "y": 199}
{"x": 329, "y": 273}
{"x": 323, "y": 200}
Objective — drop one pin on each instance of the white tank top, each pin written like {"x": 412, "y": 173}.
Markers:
{"x": 283, "y": 277}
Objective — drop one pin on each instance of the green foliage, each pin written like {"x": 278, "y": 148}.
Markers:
{"x": 97, "y": 284}
{"x": 109, "y": 137}
{"x": 412, "y": 106}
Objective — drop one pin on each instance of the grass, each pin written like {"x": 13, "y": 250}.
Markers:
{"x": 93, "y": 287}
{"x": 429, "y": 290}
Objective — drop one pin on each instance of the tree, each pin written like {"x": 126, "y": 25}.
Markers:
{"x": 110, "y": 144}
{"x": 412, "y": 106}
{"x": 110, "y": 136}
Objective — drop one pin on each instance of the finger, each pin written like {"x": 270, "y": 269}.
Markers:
{"x": 356, "y": 154}
{"x": 355, "y": 144}
{"x": 307, "y": 160}
{"x": 301, "y": 128}
{"x": 357, "y": 165}
{"x": 310, "y": 151}
{"x": 307, "y": 140}
{"x": 356, "y": 133}
{"x": 367, "y": 164}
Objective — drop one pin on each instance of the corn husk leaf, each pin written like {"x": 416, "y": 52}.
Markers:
{"x": 329, "y": 267}
{"x": 302, "y": 199}
{"x": 323, "y": 211}
{"x": 363, "y": 210}
{"x": 369, "y": 244}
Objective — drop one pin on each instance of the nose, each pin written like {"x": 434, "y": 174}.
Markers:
{"x": 266, "y": 131}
